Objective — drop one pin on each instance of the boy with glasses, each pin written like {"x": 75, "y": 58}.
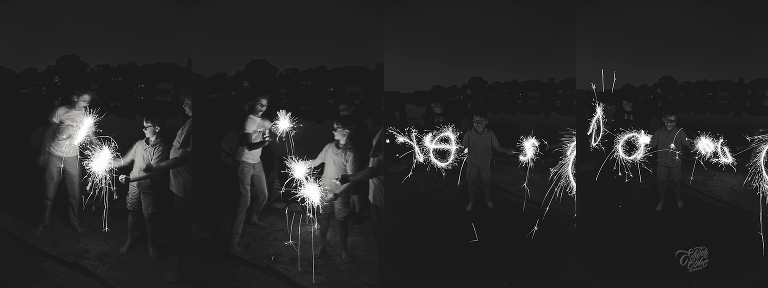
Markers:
{"x": 480, "y": 142}
{"x": 668, "y": 140}
{"x": 340, "y": 158}
{"x": 143, "y": 187}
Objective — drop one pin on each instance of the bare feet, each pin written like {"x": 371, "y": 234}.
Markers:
{"x": 346, "y": 256}
{"x": 152, "y": 252}
{"x": 125, "y": 247}
{"x": 320, "y": 250}
{"x": 38, "y": 230}
{"x": 234, "y": 248}
{"x": 490, "y": 204}
{"x": 469, "y": 207}
{"x": 680, "y": 204}
{"x": 658, "y": 207}
{"x": 78, "y": 229}
{"x": 256, "y": 222}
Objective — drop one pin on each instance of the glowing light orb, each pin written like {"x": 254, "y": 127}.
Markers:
{"x": 100, "y": 172}
{"x": 640, "y": 140}
{"x": 444, "y": 139}
{"x": 284, "y": 123}
{"x": 312, "y": 194}
{"x": 84, "y": 127}
{"x": 705, "y": 145}
{"x": 530, "y": 147}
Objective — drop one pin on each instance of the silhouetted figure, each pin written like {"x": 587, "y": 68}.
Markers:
{"x": 669, "y": 141}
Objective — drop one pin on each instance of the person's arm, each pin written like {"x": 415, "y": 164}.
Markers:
{"x": 157, "y": 157}
{"x": 47, "y": 139}
{"x": 655, "y": 140}
{"x": 185, "y": 156}
{"x": 497, "y": 147}
{"x": 125, "y": 161}
{"x": 686, "y": 142}
{"x": 366, "y": 174}
{"x": 319, "y": 159}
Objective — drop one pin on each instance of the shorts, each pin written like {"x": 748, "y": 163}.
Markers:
{"x": 473, "y": 171}
{"x": 338, "y": 208}
{"x": 147, "y": 200}
{"x": 664, "y": 172}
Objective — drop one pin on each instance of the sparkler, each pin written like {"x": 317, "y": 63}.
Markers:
{"x": 284, "y": 124}
{"x": 641, "y": 140}
{"x": 614, "y": 81}
{"x": 597, "y": 124}
{"x": 758, "y": 175}
{"x": 84, "y": 127}
{"x": 530, "y": 147}
{"x": 706, "y": 149}
{"x": 100, "y": 171}
{"x": 299, "y": 170}
{"x": 563, "y": 179}
{"x": 445, "y": 138}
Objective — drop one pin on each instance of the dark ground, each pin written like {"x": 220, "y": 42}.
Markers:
{"x": 626, "y": 237}
{"x": 434, "y": 232}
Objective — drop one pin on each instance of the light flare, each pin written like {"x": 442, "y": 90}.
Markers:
{"x": 100, "y": 172}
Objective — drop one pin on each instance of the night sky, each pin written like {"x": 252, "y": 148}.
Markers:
{"x": 643, "y": 41}
{"x": 423, "y": 43}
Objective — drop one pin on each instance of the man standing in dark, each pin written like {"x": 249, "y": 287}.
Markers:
{"x": 362, "y": 143}
{"x": 180, "y": 165}
{"x": 627, "y": 118}
{"x": 378, "y": 162}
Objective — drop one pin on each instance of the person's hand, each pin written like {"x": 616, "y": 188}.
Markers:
{"x": 148, "y": 168}
{"x": 341, "y": 180}
{"x": 42, "y": 160}
{"x": 334, "y": 197}
{"x": 125, "y": 179}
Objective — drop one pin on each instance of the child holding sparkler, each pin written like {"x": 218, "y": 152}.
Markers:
{"x": 668, "y": 140}
{"x": 340, "y": 158}
{"x": 143, "y": 187}
{"x": 250, "y": 173}
{"x": 59, "y": 156}
{"x": 480, "y": 142}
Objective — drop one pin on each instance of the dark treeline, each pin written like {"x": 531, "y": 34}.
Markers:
{"x": 129, "y": 89}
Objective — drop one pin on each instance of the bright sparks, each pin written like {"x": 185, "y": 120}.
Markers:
{"x": 530, "y": 149}
{"x": 312, "y": 194}
{"x": 439, "y": 149}
{"x": 621, "y": 152}
{"x": 85, "y": 126}
{"x": 100, "y": 172}
{"x": 758, "y": 174}
{"x": 597, "y": 124}
{"x": 563, "y": 179}
{"x": 285, "y": 124}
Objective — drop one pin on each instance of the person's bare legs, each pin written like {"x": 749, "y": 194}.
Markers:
{"x": 487, "y": 188}
{"x": 150, "y": 242}
{"x": 320, "y": 248}
{"x": 678, "y": 189}
{"x": 131, "y": 226}
{"x": 661, "y": 196}
{"x": 471, "y": 196}
{"x": 344, "y": 235}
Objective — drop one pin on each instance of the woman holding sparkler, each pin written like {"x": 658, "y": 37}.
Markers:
{"x": 250, "y": 173}
{"x": 59, "y": 156}
{"x": 339, "y": 158}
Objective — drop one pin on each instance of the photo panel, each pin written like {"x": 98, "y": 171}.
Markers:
{"x": 674, "y": 122}
{"x": 485, "y": 97}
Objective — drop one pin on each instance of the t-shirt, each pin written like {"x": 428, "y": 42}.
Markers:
{"x": 376, "y": 184}
{"x": 480, "y": 146}
{"x": 662, "y": 140}
{"x": 181, "y": 178}
{"x": 257, "y": 126}
{"x": 143, "y": 153}
{"x": 337, "y": 162}
{"x": 66, "y": 118}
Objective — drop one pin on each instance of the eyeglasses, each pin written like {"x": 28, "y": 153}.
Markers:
{"x": 147, "y": 127}
{"x": 479, "y": 121}
{"x": 337, "y": 129}
{"x": 187, "y": 103}
{"x": 670, "y": 121}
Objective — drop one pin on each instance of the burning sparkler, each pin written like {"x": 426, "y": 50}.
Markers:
{"x": 563, "y": 179}
{"x": 758, "y": 175}
{"x": 597, "y": 124}
{"x": 445, "y": 139}
{"x": 84, "y": 128}
{"x": 530, "y": 147}
{"x": 707, "y": 148}
{"x": 299, "y": 170}
{"x": 284, "y": 124}
{"x": 100, "y": 171}
{"x": 641, "y": 140}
